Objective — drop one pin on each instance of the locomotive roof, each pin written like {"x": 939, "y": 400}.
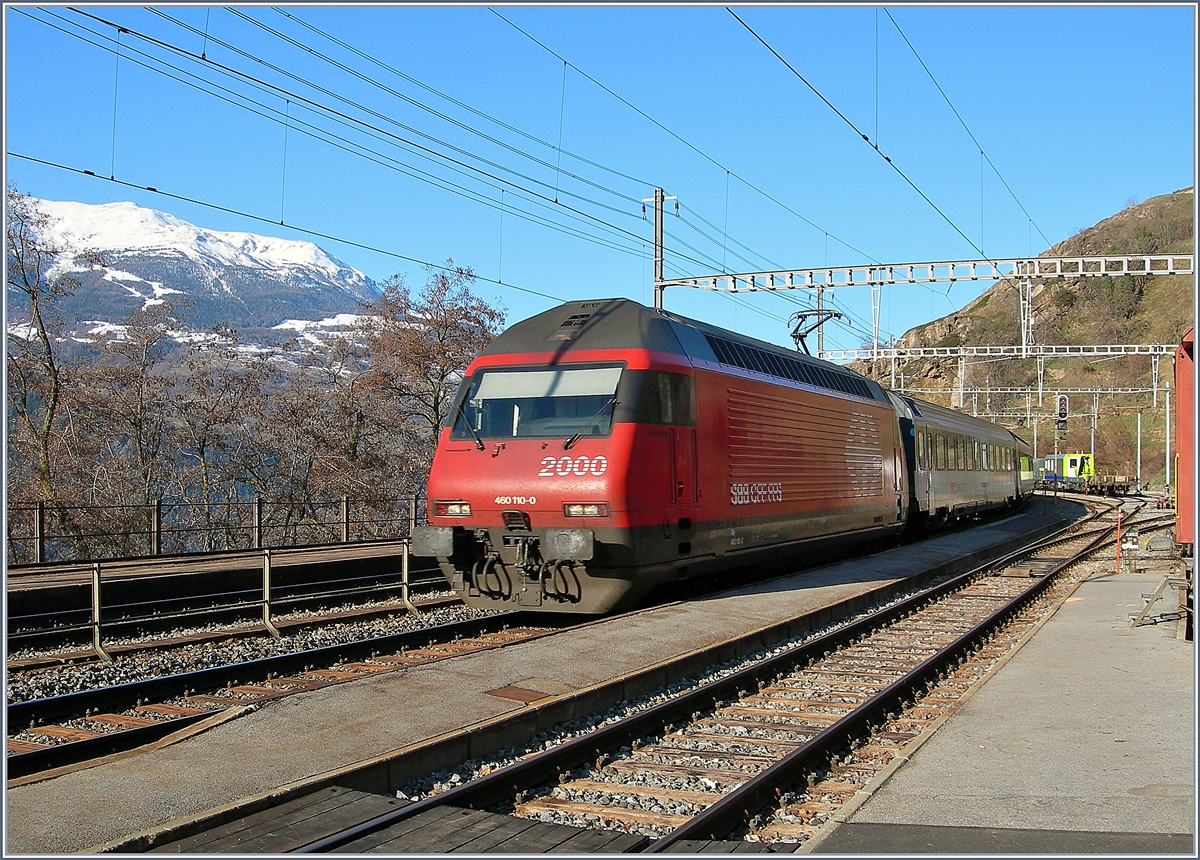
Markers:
{"x": 596, "y": 324}
{"x": 626, "y": 324}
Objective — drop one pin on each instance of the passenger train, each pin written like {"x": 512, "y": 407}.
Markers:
{"x": 603, "y": 448}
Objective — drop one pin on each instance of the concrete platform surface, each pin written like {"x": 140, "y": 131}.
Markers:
{"x": 1084, "y": 742}
{"x": 304, "y": 736}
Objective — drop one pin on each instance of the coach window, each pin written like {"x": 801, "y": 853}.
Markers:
{"x": 940, "y": 453}
{"x": 921, "y": 450}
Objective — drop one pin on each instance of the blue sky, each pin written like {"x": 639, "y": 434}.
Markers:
{"x": 1077, "y": 109}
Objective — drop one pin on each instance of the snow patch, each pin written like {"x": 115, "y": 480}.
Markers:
{"x": 338, "y": 321}
{"x": 100, "y": 328}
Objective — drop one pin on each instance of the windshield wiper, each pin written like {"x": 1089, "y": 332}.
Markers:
{"x": 612, "y": 401}
{"x": 467, "y": 421}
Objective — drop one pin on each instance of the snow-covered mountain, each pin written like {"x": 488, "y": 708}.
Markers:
{"x": 243, "y": 280}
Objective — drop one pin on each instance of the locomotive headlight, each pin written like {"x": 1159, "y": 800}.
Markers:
{"x": 452, "y": 509}
{"x": 590, "y": 509}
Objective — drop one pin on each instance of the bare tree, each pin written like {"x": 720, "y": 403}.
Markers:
{"x": 419, "y": 347}
{"x": 36, "y": 375}
{"x": 217, "y": 406}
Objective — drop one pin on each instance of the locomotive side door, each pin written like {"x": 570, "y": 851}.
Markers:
{"x": 683, "y": 466}
{"x": 684, "y": 491}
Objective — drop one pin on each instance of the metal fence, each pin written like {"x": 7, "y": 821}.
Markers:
{"x": 73, "y": 533}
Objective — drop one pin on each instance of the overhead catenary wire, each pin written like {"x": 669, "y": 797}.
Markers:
{"x": 681, "y": 139}
{"x": 308, "y": 49}
{"x": 860, "y": 133}
{"x": 325, "y": 136}
{"x": 482, "y": 114}
{"x": 285, "y": 93}
{"x": 343, "y": 143}
{"x": 707, "y": 157}
{"x": 696, "y": 255}
{"x": 311, "y": 104}
{"x": 360, "y": 125}
{"x": 970, "y": 134}
{"x": 391, "y": 69}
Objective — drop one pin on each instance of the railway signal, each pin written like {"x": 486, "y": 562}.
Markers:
{"x": 1064, "y": 407}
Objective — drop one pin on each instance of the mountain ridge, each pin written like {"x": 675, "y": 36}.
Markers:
{"x": 239, "y": 280}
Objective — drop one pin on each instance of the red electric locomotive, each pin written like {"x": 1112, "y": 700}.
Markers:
{"x": 602, "y": 448}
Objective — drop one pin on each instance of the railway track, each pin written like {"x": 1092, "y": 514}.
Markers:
{"x": 59, "y": 628}
{"x": 77, "y": 727}
{"x": 169, "y": 632}
{"x": 771, "y": 752}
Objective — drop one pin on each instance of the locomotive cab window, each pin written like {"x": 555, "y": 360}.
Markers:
{"x": 511, "y": 403}
{"x": 658, "y": 397}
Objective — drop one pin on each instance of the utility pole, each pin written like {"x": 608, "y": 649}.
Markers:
{"x": 820, "y": 307}
{"x": 1095, "y": 420}
{"x": 658, "y": 243}
{"x": 1167, "y": 437}
{"x": 1139, "y": 453}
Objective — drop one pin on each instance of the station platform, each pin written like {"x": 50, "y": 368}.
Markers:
{"x": 1082, "y": 743}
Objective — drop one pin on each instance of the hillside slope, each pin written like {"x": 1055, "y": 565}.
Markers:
{"x": 1106, "y": 310}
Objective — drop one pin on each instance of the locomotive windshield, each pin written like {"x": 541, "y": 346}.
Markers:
{"x": 503, "y": 404}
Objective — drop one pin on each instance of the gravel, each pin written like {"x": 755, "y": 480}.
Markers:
{"x": 25, "y": 685}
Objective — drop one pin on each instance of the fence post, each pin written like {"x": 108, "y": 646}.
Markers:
{"x": 156, "y": 528}
{"x": 412, "y": 524}
{"x": 96, "y": 643}
{"x": 258, "y": 518}
{"x": 39, "y": 533}
{"x": 345, "y": 519}
{"x": 266, "y": 601}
